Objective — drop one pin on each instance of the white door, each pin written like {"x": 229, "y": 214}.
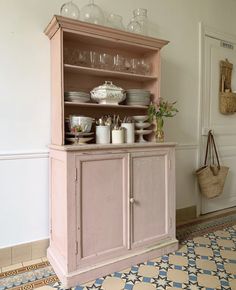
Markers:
{"x": 223, "y": 126}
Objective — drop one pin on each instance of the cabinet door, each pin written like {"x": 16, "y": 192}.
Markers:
{"x": 102, "y": 206}
{"x": 149, "y": 197}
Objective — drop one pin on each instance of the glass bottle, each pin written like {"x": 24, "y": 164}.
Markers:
{"x": 140, "y": 15}
{"x": 92, "y": 13}
{"x": 134, "y": 26}
{"x": 115, "y": 21}
{"x": 71, "y": 10}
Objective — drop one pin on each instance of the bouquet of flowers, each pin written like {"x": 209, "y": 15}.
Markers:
{"x": 157, "y": 112}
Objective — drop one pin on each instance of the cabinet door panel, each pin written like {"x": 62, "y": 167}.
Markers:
{"x": 101, "y": 203}
{"x": 149, "y": 190}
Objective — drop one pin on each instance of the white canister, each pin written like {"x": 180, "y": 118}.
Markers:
{"x": 129, "y": 132}
{"x": 118, "y": 136}
{"x": 102, "y": 134}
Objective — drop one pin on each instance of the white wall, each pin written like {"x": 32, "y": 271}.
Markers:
{"x": 25, "y": 99}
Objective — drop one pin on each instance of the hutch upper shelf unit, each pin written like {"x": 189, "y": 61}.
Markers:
{"x": 111, "y": 205}
{"x": 66, "y": 34}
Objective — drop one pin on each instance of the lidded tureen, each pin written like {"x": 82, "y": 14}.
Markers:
{"x": 108, "y": 94}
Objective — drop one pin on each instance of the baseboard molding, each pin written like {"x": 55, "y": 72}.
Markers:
{"x": 185, "y": 214}
{"x": 23, "y": 253}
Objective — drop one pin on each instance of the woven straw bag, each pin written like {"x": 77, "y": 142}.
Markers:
{"x": 211, "y": 177}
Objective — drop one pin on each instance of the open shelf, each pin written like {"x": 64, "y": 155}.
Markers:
{"x": 108, "y": 73}
{"x": 95, "y": 105}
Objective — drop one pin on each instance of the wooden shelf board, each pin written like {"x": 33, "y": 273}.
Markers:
{"x": 108, "y": 73}
{"x": 95, "y": 105}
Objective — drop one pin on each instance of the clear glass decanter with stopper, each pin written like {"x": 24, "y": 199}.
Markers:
{"x": 69, "y": 9}
{"x": 140, "y": 15}
{"x": 92, "y": 13}
{"x": 134, "y": 26}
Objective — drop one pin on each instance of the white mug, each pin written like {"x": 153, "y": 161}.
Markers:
{"x": 102, "y": 134}
{"x": 129, "y": 132}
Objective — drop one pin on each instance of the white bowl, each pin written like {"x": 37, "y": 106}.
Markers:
{"x": 84, "y": 122}
{"x": 140, "y": 118}
{"x": 142, "y": 125}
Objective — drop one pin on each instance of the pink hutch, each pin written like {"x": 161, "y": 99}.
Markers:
{"x": 111, "y": 206}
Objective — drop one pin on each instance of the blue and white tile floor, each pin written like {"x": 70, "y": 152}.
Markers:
{"x": 207, "y": 262}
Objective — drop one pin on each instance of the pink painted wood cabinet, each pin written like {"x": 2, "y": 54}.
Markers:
{"x": 111, "y": 206}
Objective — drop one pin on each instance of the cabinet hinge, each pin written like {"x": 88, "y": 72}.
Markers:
{"x": 76, "y": 247}
{"x": 76, "y": 174}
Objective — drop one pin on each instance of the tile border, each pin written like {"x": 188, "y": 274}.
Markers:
{"x": 31, "y": 251}
{"x": 186, "y": 214}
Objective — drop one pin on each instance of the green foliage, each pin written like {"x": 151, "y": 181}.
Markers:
{"x": 162, "y": 109}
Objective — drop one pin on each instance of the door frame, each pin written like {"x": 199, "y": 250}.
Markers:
{"x": 204, "y": 31}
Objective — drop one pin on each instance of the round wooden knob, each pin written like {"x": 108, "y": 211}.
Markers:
{"x": 132, "y": 200}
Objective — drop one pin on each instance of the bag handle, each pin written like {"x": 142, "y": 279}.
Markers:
{"x": 211, "y": 143}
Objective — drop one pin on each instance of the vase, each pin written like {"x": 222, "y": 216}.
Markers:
{"x": 159, "y": 134}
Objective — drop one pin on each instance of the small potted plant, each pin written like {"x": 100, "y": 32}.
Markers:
{"x": 157, "y": 112}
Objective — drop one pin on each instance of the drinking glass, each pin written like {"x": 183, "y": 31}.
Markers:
{"x": 135, "y": 65}
{"x": 119, "y": 62}
{"x": 82, "y": 57}
{"x": 106, "y": 61}
{"x": 144, "y": 67}
{"x": 93, "y": 59}
{"x": 70, "y": 55}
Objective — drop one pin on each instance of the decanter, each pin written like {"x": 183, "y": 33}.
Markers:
{"x": 140, "y": 15}
{"x": 92, "y": 13}
{"x": 71, "y": 10}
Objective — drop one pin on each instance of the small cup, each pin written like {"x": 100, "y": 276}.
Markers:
{"x": 118, "y": 136}
{"x": 129, "y": 132}
{"x": 102, "y": 134}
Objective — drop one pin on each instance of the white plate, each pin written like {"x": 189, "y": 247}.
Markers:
{"x": 142, "y": 125}
{"x": 82, "y": 140}
{"x": 78, "y": 101}
{"x": 80, "y": 134}
{"x": 138, "y": 91}
{"x": 140, "y": 118}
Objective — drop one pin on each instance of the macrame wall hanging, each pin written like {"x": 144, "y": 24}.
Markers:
{"x": 227, "y": 97}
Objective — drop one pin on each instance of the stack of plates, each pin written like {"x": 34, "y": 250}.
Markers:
{"x": 138, "y": 97}
{"x": 77, "y": 97}
{"x": 82, "y": 137}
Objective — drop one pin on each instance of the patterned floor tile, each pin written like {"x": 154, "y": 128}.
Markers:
{"x": 148, "y": 271}
{"x": 114, "y": 283}
{"x": 208, "y": 281}
{"x": 203, "y": 263}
